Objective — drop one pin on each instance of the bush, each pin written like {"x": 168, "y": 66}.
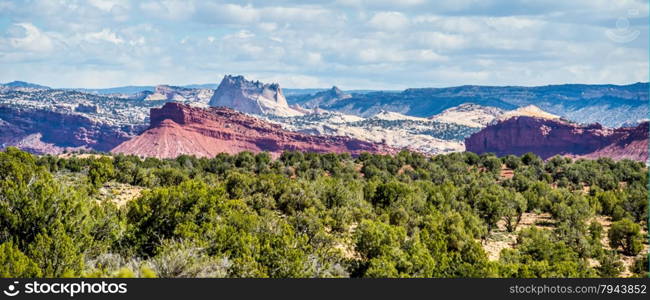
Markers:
{"x": 15, "y": 264}
{"x": 626, "y": 234}
{"x": 100, "y": 171}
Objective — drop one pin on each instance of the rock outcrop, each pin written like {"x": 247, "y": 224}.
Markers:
{"x": 528, "y": 111}
{"x": 549, "y": 137}
{"x": 176, "y": 93}
{"x": 251, "y": 97}
{"x": 180, "y": 129}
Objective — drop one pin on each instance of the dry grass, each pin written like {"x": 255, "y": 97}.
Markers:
{"x": 83, "y": 155}
{"x": 345, "y": 244}
{"x": 119, "y": 193}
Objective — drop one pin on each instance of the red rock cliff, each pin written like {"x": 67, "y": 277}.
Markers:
{"x": 180, "y": 129}
{"x": 546, "y": 138}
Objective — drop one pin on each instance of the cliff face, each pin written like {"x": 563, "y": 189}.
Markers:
{"x": 180, "y": 129}
{"x": 43, "y": 131}
{"x": 546, "y": 138}
{"x": 252, "y": 97}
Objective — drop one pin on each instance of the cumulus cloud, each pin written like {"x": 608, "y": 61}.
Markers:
{"x": 32, "y": 39}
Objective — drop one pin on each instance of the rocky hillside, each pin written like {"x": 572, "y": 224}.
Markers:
{"x": 469, "y": 114}
{"x": 251, "y": 97}
{"x": 44, "y": 131}
{"x": 394, "y": 129}
{"x": 180, "y": 129}
{"x": 549, "y": 137}
{"x": 50, "y": 121}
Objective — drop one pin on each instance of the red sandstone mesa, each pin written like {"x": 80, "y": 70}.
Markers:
{"x": 546, "y": 138}
{"x": 180, "y": 129}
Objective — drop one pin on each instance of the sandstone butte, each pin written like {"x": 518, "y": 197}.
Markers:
{"x": 547, "y": 138}
{"x": 177, "y": 129}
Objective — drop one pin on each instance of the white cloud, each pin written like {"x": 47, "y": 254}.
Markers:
{"x": 381, "y": 3}
{"x": 107, "y": 5}
{"x": 106, "y": 35}
{"x": 168, "y": 9}
{"x": 32, "y": 40}
{"x": 314, "y": 58}
{"x": 389, "y": 21}
{"x": 241, "y": 34}
{"x": 385, "y": 55}
{"x": 439, "y": 40}
{"x": 268, "y": 26}
{"x": 307, "y": 15}
{"x": 227, "y": 13}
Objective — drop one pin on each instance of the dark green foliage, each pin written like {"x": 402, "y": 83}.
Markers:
{"x": 156, "y": 215}
{"x": 540, "y": 254}
{"x": 100, "y": 171}
{"x": 317, "y": 215}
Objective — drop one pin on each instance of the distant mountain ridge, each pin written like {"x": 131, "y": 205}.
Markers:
{"x": 23, "y": 84}
{"x": 610, "y": 105}
{"x": 607, "y": 104}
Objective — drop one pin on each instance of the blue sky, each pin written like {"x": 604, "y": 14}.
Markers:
{"x": 354, "y": 44}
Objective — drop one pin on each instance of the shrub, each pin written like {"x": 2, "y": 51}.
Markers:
{"x": 626, "y": 235}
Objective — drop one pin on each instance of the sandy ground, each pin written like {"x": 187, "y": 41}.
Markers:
{"x": 500, "y": 238}
{"x": 628, "y": 261}
{"x": 506, "y": 173}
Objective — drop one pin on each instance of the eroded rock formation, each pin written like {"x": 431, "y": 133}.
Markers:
{"x": 180, "y": 129}
{"x": 546, "y": 138}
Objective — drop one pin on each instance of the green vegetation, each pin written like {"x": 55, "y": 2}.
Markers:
{"x": 320, "y": 215}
